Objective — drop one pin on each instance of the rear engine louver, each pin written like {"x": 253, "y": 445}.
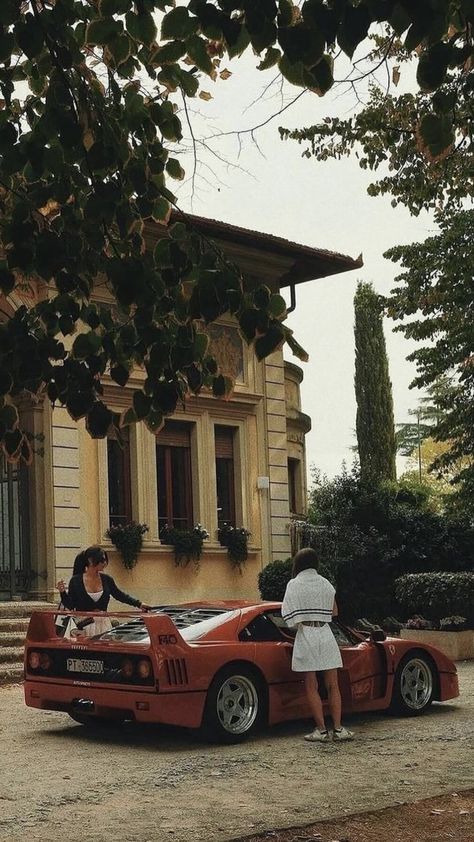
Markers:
{"x": 176, "y": 671}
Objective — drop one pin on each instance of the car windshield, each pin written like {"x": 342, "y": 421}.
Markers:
{"x": 197, "y": 630}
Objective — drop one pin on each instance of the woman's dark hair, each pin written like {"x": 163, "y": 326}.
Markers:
{"x": 79, "y": 564}
{"x": 305, "y": 559}
{"x": 95, "y": 555}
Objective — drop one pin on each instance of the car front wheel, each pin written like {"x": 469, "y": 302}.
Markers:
{"x": 413, "y": 685}
{"x": 234, "y": 706}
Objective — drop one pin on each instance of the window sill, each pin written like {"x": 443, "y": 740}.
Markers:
{"x": 156, "y": 546}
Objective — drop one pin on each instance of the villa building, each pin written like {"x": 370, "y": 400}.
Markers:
{"x": 239, "y": 461}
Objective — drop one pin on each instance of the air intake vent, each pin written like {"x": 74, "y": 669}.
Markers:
{"x": 176, "y": 671}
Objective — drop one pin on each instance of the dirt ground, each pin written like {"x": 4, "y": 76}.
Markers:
{"x": 150, "y": 784}
{"x": 431, "y": 820}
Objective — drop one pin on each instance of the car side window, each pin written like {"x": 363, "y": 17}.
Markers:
{"x": 261, "y": 629}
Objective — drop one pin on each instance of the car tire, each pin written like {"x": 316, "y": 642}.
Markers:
{"x": 235, "y": 705}
{"x": 414, "y": 684}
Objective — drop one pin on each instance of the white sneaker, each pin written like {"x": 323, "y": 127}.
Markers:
{"x": 342, "y": 734}
{"x": 317, "y": 736}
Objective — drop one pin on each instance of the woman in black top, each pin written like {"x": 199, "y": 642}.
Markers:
{"x": 91, "y": 589}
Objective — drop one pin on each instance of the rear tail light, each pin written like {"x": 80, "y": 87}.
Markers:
{"x": 144, "y": 668}
{"x": 45, "y": 661}
{"x": 34, "y": 659}
{"x": 127, "y": 668}
{"x": 39, "y": 660}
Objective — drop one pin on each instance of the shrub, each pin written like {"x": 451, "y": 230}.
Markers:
{"x": 437, "y": 595}
{"x": 187, "y": 543}
{"x": 235, "y": 538}
{"x": 128, "y": 539}
{"x": 273, "y": 579}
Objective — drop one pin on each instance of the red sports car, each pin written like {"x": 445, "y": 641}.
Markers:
{"x": 222, "y": 667}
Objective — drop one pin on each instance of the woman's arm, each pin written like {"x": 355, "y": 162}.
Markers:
{"x": 335, "y": 609}
{"x": 121, "y": 596}
{"x": 67, "y": 596}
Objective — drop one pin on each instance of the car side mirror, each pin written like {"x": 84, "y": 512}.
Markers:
{"x": 378, "y": 635}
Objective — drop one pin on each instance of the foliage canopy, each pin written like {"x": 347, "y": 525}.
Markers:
{"x": 84, "y": 166}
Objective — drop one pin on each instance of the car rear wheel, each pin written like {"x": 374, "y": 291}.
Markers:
{"x": 414, "y": 684}
{"x": 234, "y": 706}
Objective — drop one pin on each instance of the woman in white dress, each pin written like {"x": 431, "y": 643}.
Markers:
{"x": 309, "y": 605}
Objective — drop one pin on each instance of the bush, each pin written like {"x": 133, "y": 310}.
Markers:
{"x": 367, "y": 537}
{"x": 128, "y": 539}
{"x": 273, "y": 579}
{"x": 437, "y": 595}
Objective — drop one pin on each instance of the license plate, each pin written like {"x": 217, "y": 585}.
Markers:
{"x": 83, "y": 665}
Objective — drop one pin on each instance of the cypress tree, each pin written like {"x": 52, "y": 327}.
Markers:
{"x": 374, "y": 423}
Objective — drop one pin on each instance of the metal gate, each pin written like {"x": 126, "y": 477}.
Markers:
{"x": 15, "y": 567}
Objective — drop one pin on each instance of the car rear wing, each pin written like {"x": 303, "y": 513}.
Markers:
{"x": 45, "y": 625}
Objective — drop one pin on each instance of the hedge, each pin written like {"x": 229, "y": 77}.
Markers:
{"x": 437, "y": 595}
{"x": 273, "y": 579}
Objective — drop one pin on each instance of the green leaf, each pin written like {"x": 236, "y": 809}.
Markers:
{"x": 154, "y": 421}
{"x": 196, "y": 48}
{"x": 86, "y": 345}
{"x": 433, "y": 66}
{"x": 141, "y": 404}
{"x": 7, "y": 44}
{"x": 270, "y": 342}
{"x": 120, "y": 48}
{"x": 178, "y": 24}
{"x": 353, "y": 28}
{"x": 261, "y": 296}
{"x": 142, "y": 27}
{"x": 114, "y": 7}
{"x": 128, "y": 417}
{"x": 292, "y": 72}
{"x": 219, "y": 386}
{"x": 30, "y": 36}
{"x": 98, "y": 420}
{"x": 320, "y": 78}
{"x": 277, "y": 306}
{"x": 201, "y": 345}
{"x": 120, "y": 374}
{"x": 437, "y": 133}
{"x": 161, "y": 210}
{"x": 168, "y": 53}
{"x": 103, "y": 30}
{"x": 174, "y": 169}
{"x": 178, "y": 231}
{"x": 271, "y": 57}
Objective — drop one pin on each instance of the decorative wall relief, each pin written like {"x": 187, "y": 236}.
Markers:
{"x": 227, "y": 348}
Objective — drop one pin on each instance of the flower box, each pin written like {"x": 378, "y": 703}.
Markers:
{"x": 457, "y": 645}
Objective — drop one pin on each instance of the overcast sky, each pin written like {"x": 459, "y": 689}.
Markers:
{"x": 274, "y": 190}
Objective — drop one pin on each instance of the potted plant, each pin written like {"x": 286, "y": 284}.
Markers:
{"x": 187, "y": 543}
{"x": 128, "y": 539}
{"x": 235, "y": 538}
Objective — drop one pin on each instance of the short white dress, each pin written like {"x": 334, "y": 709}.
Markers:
{"x": 310, "y": 597}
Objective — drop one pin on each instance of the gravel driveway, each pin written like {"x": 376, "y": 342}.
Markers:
{"x": 148, "y": 784}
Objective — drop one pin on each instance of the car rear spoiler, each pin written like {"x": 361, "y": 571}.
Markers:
{"x": 161, "y": 629}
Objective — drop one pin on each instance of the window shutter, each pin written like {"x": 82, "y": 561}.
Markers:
{"x": 174, "y": 434}
{"x": 224, "y": 442}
